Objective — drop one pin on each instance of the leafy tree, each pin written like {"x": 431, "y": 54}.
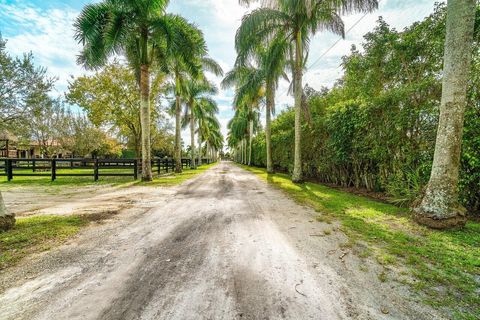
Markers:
{"x": 440, "y": 207}
{"x": 82, "y": 138}
{"x": 297, "y": 22}
{"x": 111, "y": 98}
{"x": 47, "y": 122}
{"x": 22, "y": 85}
{"x": 143, "y": 33}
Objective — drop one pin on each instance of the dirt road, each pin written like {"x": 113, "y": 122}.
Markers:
{"x": 221, "y": 246}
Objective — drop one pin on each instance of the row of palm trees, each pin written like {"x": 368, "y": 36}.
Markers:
{"x": 272, "y": 42}
{"x": 275, "y": 38}
{"x": 154, "y": 41}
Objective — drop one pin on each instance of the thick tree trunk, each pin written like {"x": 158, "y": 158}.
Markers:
{"x": 250, "y": 140}
{"x": 297, "y": 175}
{"x": 7, "y": 220}
{"x": 192, "y": 138}
{"x": 268, "y": 125}
{"x": 439, "y": 207}
{"x": 145, "y": 121}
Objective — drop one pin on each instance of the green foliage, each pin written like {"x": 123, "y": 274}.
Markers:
{"x": 444, "y": 264}
{"x": 110, "y": 97}
{"x": 23, "y": 87}
{"x": 376, "y": 127}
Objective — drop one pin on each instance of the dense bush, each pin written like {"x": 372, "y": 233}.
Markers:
{"x": 376, "y": 127}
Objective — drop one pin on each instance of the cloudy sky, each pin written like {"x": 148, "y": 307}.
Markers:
{"x": 44, "y": 27}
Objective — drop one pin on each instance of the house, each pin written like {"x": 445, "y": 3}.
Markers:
{"x": 11, "y": 148}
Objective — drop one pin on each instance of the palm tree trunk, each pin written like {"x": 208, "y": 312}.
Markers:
{"x": 440, "y": 207}
{"x": 268, "y": 125}
{"x": 199, "y": 148}
{"x": 297, "y": 164}
{"x": 178, "y": 132}
{"x": 250, "y": 138}
{"x": 192, "y": 138}
{"x": 145, "y": 121}
{"x": 208, "y": 150}
{"x": 7, "y": 220}
{"x": 245, "y": 157}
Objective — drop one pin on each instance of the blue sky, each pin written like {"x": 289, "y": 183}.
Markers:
{"x": 44, "y": 27}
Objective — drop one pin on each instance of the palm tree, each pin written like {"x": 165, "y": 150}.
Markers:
{"x": 440, "y": 207}
{"x": 206, "y": 110}
{"x": 297, "y": 21}
{"x": 196, "y": 96}
{"x": 142, "y": 32}
{"x": 239, "y": 127}
{"x": 183, "y": 72}
{"x": 271, "y": 63}
{"x": 249, "y": 93}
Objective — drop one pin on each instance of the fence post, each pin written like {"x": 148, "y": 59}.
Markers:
{"x": 167, "y": 165}
{"x": 9, "y": 169}
{"x": 135, "y": 169}
{"x": 95, "y": 170}
{"x": 159, "y": 164}
{"x": 54, "y": 169}
{"x": 33, "y": 165}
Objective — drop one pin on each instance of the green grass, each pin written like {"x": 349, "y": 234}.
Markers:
{"x": 444, "y": 265}
{"x": 36, "y": 234}
{"x": 45, "y": 181}
{"x": 178, "y": 178}
{"x": 41, "y": 180}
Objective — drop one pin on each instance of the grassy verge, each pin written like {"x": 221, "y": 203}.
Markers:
{"x": 178, "y": 178}
{"x": 36, "y": 234}
{"x": 444, "y": 265}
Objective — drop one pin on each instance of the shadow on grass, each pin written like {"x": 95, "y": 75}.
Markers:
{"x": 446, "y": 264}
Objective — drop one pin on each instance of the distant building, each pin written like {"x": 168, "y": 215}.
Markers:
{"x": 11, "y": 148}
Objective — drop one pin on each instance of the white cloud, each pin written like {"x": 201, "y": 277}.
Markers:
{"x": 49, "y": 35}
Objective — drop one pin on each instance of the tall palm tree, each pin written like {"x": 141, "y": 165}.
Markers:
{"x": 182, "y": 73}
{"x": 249, "y": 93}
{"x": 142, "y": 32}
{"x": 197, "y": 94}
{"x": 239, "y": 130}
{"x": 270, "y": 61}
{"x": 297, "y": 21}
{"x": 206, "y": 120}
{"x": 440, "y": 207}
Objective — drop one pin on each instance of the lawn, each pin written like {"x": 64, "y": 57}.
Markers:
{"x": 178, "y": 178}
{"x": 36, "y": 234}
{"x": 443, "y": 265}
{"x": 43, "y": 178}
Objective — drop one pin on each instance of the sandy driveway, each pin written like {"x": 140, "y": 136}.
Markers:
{"x": 221, "y": 246}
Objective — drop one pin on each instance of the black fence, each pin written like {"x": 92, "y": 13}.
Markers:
{"x": 97, "y": 168}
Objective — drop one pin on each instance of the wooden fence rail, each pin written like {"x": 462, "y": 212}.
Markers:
{"x": 11, "y": 167}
